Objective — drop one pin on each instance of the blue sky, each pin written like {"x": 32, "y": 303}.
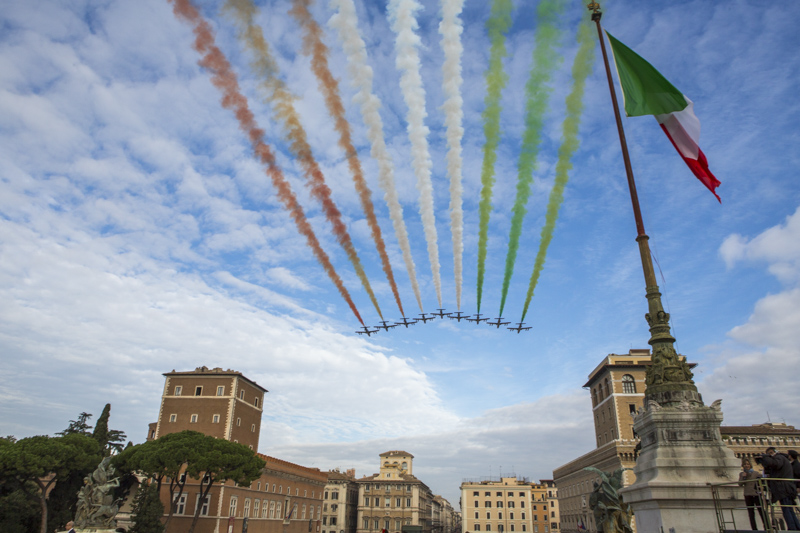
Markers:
{"x": 139, "y": 235}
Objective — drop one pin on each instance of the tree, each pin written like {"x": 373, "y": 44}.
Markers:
{"x": 81, "y": 425}
{"x": 147, "y": 510}
{"x": 220, "y": 460}
{"x": 111, "y": 440}
{"x": 41, "y": 461}
{"x": 162, "y": 459}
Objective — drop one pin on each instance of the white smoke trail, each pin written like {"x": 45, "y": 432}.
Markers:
{"x": 451, "y": 30}
{"x": 345, "y": 21}
{"x": 404, "y": 22}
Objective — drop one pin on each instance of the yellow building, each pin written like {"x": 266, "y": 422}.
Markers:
{"x": 394, "y": 499}
{"x": 502, "y": 506}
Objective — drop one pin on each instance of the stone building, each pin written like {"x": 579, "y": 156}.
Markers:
{"x": 444, "y": 516}
{"x": 551, "y": 496}
{"x": 340, "y": 503}
{"x": 616, "y": 388}
{"x": 394, "y": 499}
{"x": 286, "y": 498}
{"x": 502, "y": 506}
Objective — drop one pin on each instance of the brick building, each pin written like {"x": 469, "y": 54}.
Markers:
{"x": 286, "y": 498}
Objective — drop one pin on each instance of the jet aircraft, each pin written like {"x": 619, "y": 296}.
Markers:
{"x": 368, "y": 331}
{"x": 519, "y": 327}
{"x": 477, "y": 319}
{"x": 458, "y": 316}
{"x": 425, "y": 318}
{"x": 498, "y": 323}
{"x": 406, "y": 322}
{"x": 384, "y": 325}
{"x": 441, "y": 313}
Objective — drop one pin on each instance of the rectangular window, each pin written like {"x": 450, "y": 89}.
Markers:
{"x": 475, "y": 493}
{"x": 523, "y": 516}
{"x": 232, "y": 508}
{"x": 220, "y": 391}
{"x": 278, "y": 509}
{"x": 333, "y": 520}
{"x": 181, "y": 507}
{"x": 255, "y": 401}
{"x": 303, "y": 516}
{"x": 499, "y": 516}
{"x": 476, "y": 515}
{"x": 522, "y": 504}
{"x": 325, "y": 495}
{"x": 173, "y": 418}
{"x": 512, "y": 516}
{"x": 198, "y": 391}
{"x": 512, "y": 527}
{"x": 487, "y": 503}
{"x": 253, "y": 428}
{"x": 521, "y": 494}
{"x": 193, "y": 419}
{"x": 178, "y": 390}
{"x": 366, "y": 501}
{"x": 335, "y": 495}
{"x": 264, "y": 508}
{"x": 324, "y": 520}
{"x": 488, "y": 527}
{"x": 273, "y": 487}
{"x": 477, "y": 527}
{"x": 246, "y": 507}
{"x": 500, "y": 494}
{"x": 488, "y": 516}
{"x": 397, "y": 502}
{"x": 487, "y": 494}
{"x": 241, "y": 394}
{"x": 238, "y": 421}
{"x": 387, "y": 502}
{"x": 376, "y": 523}
{"x": 272, "y": 509}
{"x": 499, "y": 504}
{"x": 256, "y": 504}
{"x": 408, "y": 502}
{"x": 366, "y": 523}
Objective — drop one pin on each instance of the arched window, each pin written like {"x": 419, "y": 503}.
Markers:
{"x": 628, "y": 384}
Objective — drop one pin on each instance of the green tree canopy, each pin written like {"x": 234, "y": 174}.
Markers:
{"x": 41, "y": 461}
{"x": 147, "y": 510}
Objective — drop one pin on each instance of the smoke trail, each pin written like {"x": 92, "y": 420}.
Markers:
{"x": 497, "y": 26}
{"x": 537, "y": 93}
{"x": 581, "y": 69}
{"x": 346, "y": 22}
{"x": 401, "y": 14}
{"x": 282, "y": 100}
{"x": 330, "y": 89}
{"x": 451, "y": 30}
{"x": 225, "y": 80}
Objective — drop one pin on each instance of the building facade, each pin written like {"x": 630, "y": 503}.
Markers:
{"x": 286, "y": 498}
{"x": 394, "y": 499}
{"x": 221, "y": 403}
{"x": 340, "y": 503}
{"x": 616, "y": 388}
{"x": 501, "y": 506}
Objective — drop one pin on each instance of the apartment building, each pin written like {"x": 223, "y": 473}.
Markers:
{"x": 501, "y": 506}
{"x": 394, "y": 499}
{"x": 340, "y": 503}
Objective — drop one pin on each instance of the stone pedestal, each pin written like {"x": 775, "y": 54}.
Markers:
{"x": 682, "y": 451}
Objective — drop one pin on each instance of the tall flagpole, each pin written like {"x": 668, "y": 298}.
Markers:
{"x": 668, "y": 378}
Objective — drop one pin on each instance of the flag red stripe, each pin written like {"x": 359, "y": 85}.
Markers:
{"x": 699, "y": 166}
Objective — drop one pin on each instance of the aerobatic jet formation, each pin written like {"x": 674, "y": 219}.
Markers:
{"x": 427, "y": 317}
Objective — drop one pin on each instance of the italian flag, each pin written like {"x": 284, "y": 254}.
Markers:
{"x": 646, "y": 92}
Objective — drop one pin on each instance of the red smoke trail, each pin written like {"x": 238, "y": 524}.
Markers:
{"x": 225, "y": 80}
{"x": 312, "y": 42}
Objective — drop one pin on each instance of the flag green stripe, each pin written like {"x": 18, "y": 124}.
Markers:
{"x": 645, "y": 90}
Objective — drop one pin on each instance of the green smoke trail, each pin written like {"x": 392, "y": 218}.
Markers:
{"x": 497, "y": 26}
{"x": 537, "y": 93}
{"x": 581, "y": 69}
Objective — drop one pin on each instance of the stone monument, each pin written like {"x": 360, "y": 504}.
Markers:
{"x": 97, "y": 506}
{"x": 611, "y": 514}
